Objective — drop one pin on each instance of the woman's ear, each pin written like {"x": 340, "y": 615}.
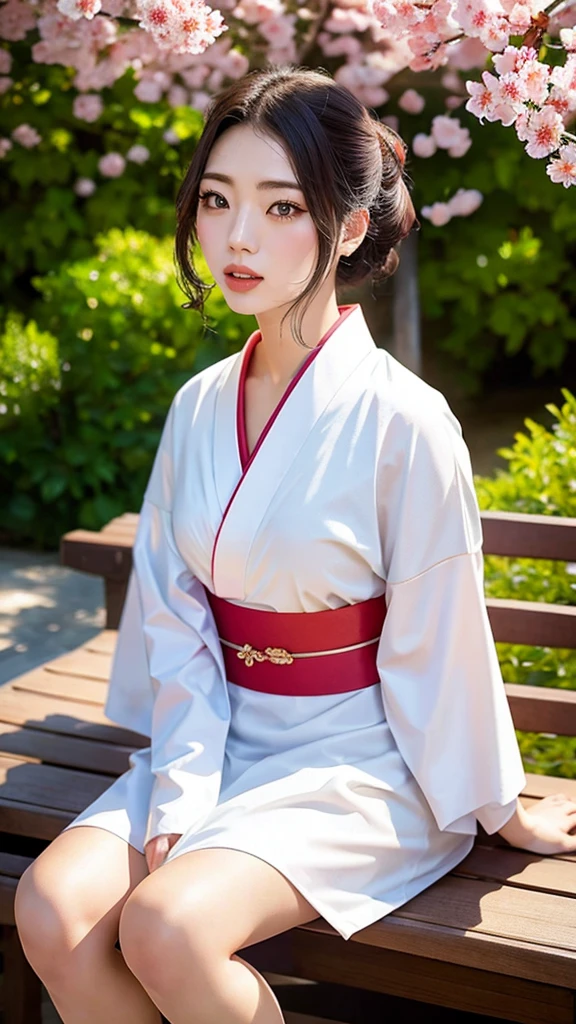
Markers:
{"x": 353, "y": 232}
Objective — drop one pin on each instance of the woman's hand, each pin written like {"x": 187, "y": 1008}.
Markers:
{"x": 545, "y": 827}
{"x": 157, "y": 849}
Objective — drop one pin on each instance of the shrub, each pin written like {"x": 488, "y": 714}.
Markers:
{"x": 540, "y": 479}
{"x": 86, "y": 387}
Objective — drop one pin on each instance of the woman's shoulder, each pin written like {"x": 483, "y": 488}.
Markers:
{"x": 203, "y": 385}
{"x": 408, "y": 402}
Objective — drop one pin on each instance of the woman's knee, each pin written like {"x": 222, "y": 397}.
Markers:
{"x": 68, "y": 901}
{"x": 161, "y": 940}
{"x": 45, "y": 920}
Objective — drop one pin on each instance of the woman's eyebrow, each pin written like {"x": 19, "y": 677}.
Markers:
{"x": 270, "y": 184}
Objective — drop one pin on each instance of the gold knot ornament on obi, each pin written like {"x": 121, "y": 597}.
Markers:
{"x": 277, "y": 655}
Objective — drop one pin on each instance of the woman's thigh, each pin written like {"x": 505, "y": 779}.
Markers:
{"x": 76, "y": 888}
{"x": 204, "y": 904}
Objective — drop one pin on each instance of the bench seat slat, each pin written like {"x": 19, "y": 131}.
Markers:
{"x": 69, "y": 717}
{"x": 520, "y": 868}
{"x": 66, "y": 751}
{"x": 82, "y": 662}
{"x": 73, "y": 688}
{"x": 441, "y": 981}
{"x": 103, "y": 643}
{"x": 63, "y": 789}
{"x": 458, "y": 944}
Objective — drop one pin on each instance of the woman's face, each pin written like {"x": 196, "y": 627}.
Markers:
{"x": 252, "y": 215}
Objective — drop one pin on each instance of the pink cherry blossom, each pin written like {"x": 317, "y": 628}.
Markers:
{"x": 438, "y": 214}
{"x": 278, "y": 31}
{"x": 182, "y": 26}
{"x": 171, "y": 137}
{"x": 148, "y": 90}
{"x": 200, "y": 101}
{"x": 254, "y": 12}
{"x": 178, "y": 96}
{"x": 5, "y": 83}
{"x": 5, "y": 147}
{"x": 138, "y": 154}
{"x": 339, "y": 46}
{"x": 465, "y": 201}
{"x": 562, "y": 170}
{"x": 412, "y": 102}
{"x": 5, "y": 62}
{"x": 345, "y": 21}
{"x": 16, "y": 20}
{"x": 84, "y": 187}
{"x": 424, "y": 145}
{"x": 544, "y": 132}
{"x": 466, "y": 54}
{"x": 76, "y": 9}
{"x": 535, "y": 77}
{"x": 111, "y": 165}
{"x": 88, "y": 107}
{"x": 26, "y": 136}
{"x": 449, "y": 134}
{"x": 483, "y": 96}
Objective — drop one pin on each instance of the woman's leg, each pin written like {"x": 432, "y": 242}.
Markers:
{"x": 68, "y": 905}
{"x": 181, "y": 927}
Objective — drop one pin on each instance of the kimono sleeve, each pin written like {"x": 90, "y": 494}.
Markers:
{"x": 441, "y": 684}
{"x": 168, "y": 677}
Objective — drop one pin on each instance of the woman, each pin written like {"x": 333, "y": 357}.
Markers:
{"x": 309, "y": 495}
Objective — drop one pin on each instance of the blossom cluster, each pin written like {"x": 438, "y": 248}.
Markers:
{"x": 536, "y": 99}
{"x": 183, "y": 52}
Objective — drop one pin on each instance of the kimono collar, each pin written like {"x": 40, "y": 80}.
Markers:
{"x": 245, "y": 486}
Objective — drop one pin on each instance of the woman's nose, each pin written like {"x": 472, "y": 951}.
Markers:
{"x": 243, "y": 232}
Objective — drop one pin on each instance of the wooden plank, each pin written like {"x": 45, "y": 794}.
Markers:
{"x": 94, "y": 553}
{"x": 67, "y": 687}
{"x": 67, "y": 751}
{"x": 542, "y": 708}
{"x": 73, "y": 687}
{"x": 494, "y": 953}
{"x": 22, "y": 987}
{"x": 72, "y": 718}
{"x": 81, "y": 662}
{"x": 13, "y": 865}
{"x": 523, "y": 535}
{"x": 32, "y": 820}
{"x": 103, "y": 643}
{"x": 519, "y": 867}
{"x": 532, "y": 622}
{"x": 49, "y": 786}
{"x": 544, "y": 785}
{"x": 327, "y": 958}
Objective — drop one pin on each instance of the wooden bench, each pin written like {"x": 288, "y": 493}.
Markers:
{"x": 497, "y": 936}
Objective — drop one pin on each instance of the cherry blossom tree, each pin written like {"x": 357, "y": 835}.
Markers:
{"x": 185, "y": 51}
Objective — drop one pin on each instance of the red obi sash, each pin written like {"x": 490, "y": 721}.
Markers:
{"x": 300, "y": 653}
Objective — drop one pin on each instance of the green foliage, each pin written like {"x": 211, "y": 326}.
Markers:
{"x": 540, "y": 479}
{"x": 42, "y": 220}
{"x": 86, "y": 386}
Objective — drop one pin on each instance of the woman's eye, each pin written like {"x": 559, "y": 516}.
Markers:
{"x": 286, "y": 209}
{"x": 204, "y": 196}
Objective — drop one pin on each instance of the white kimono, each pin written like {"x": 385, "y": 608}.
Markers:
{"x": 360, "y": 485}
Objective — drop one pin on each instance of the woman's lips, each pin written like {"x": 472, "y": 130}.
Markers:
{"x": 242, "y": 284}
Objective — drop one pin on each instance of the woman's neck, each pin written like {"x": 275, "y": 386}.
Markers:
{"x": 278, "y": 359}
